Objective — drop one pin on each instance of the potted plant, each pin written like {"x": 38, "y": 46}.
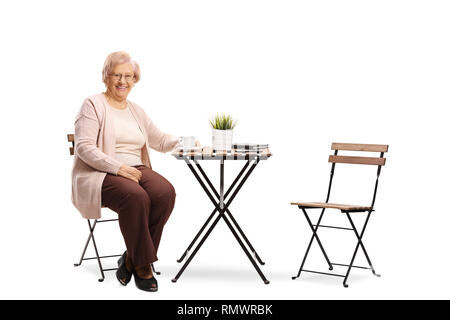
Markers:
{"x": 222, "y": 131}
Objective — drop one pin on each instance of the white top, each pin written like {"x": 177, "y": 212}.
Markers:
{"x": 129, "y": 138}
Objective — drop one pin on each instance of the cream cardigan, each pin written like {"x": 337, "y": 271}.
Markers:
{"x": 95, "y": 150}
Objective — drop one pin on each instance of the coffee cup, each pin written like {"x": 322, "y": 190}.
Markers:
{"x": 187, "y": 142}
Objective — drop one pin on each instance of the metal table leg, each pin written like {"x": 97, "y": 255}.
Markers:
{"x": 242, "y": 234}
{"x": 186, "y": 252}
{"x": 222, "y": 207}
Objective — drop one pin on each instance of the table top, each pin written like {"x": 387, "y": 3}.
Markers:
{"x": 207, "y": 153}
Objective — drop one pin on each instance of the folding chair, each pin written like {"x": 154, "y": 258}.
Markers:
{"x": 345, "y": 208}
{"x": 71, "y": 138}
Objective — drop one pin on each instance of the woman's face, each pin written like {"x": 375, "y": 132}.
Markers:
{"x": 120, "y": 81}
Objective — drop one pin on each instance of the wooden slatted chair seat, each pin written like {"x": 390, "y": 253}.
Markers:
{"x": 342, "y": 207}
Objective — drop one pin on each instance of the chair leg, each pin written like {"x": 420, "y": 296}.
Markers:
{"x": 314, "y": 236}
{"x": 154, "y": 270}
{"x": 96, "y": 252}
{"x": 368, "y": 260}
{"x": 87, "y": 243}
{"x": 359, "y": 237}
{"x": 97, "y": 255}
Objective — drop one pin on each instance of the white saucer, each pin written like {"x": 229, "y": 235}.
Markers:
{"x": 189, "y": 149}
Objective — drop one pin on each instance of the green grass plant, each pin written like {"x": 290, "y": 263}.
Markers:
{"x": 223, "y": 122}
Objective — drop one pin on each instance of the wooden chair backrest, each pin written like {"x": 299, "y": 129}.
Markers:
{"x": 380, "y": 161}
{"x": 71, "y": 138}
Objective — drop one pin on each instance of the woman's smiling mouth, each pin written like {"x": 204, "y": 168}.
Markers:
{"x": 121, "y": 88}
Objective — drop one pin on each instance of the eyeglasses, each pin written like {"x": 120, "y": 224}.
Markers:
{"x": 118, "y": 76}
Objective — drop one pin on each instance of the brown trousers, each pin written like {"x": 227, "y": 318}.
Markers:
{"x": 143, "y": 210}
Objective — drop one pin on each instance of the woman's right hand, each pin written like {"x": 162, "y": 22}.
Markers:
{"x": 129, "y": 173}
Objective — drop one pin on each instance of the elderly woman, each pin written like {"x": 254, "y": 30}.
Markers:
{"x": 112, "y": 168}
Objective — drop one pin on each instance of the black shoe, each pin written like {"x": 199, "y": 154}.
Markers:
{"x": 146, "y": 284}
{"x": 122, "y": 274}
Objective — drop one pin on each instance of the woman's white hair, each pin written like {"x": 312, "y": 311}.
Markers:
{"x": 116, "y": 58}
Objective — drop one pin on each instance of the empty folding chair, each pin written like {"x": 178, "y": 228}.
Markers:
{"x": 344, "y": 208}
{"x": 71, "y": 138}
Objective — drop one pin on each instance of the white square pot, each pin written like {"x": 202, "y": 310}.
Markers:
{"x": 222, "y": 139}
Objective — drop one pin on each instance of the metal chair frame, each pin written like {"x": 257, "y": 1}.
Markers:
{"x": 71, "y": 138}
{"x": 344, "y": 209}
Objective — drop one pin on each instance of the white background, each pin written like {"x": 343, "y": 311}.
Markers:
{"x": 297, "y": 75}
